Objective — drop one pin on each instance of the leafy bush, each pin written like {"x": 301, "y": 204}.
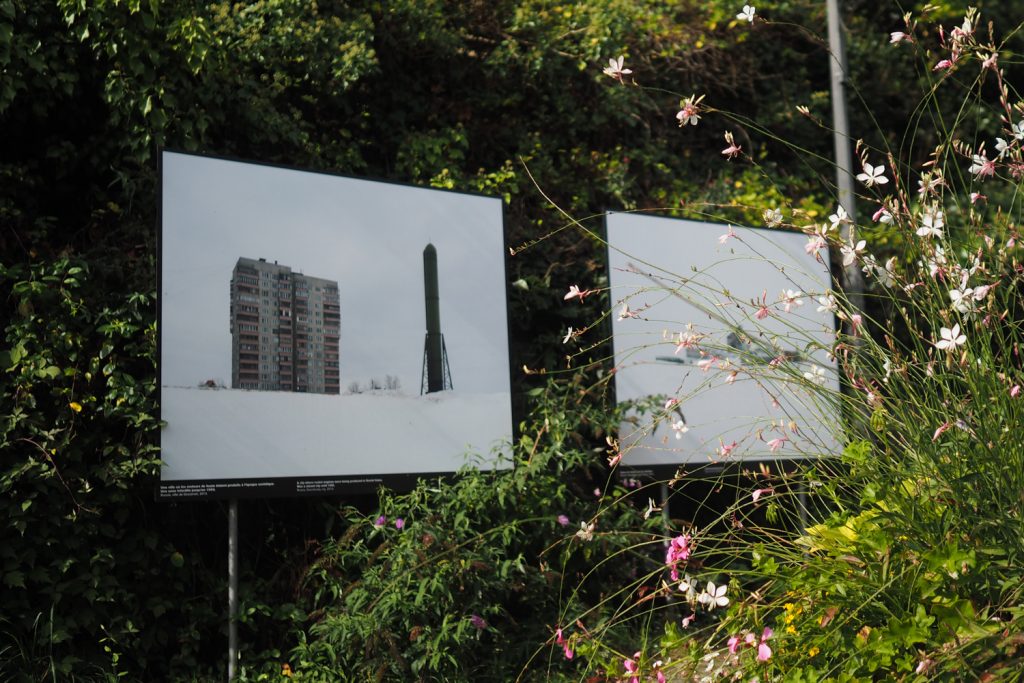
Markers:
{"x": 461, "y": 579}
{"x": 900, "y": 558}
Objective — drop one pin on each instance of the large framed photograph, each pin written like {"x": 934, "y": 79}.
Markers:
{"x": 324, "y": 334}
{"x": 721, "y": 336}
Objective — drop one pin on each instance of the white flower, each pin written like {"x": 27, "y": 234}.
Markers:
{"x": 747, "y": 14}
{"x": 568, "y": 336}
{"x": 713, "y": 596}
{"x": 1018, "y": 130}
{"x": 686, "y": 585}
{"x": 869, "y": 264}
{"x": 816, "y": 375}
{"x": 828, "y": 303}
{"x": 680, "y": 428}
{"x": 586, "y": 532}
{"x": 851, "y": 251}
{"x": 792, "y": 298}
{"x": 937, "y": 262}
{"x": 772, "y": 217}
{"x": 1001, "y": 146}
{"x": 950, "y": 339}
{"x": 615, "y": 70}
{"x": 887, "y": 275}
{"x": 931, "y": 224}
{"x": 840, "y": 216}
{"x": 872, "y": 175}
{"x": 963, "y": 300}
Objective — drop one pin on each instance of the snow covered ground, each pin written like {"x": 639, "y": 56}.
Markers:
{"x": 230, "y": 433}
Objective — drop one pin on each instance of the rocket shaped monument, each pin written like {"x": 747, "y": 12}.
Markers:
{"x": 437, "y": 375}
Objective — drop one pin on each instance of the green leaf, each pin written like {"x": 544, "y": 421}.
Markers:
{"x": 14, "y": 579}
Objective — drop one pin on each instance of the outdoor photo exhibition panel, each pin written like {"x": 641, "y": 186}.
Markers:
{"x": 323, "y": 334}
{"x": 726, "y": 361}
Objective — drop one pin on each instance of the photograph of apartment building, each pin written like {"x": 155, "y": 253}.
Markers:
{"x": 264, "y": 391}
{"x": 285, "y": 328}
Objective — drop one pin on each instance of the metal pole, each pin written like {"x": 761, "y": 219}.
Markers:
{"x": 853, "y": 281}
{"x": 232, "y": 588}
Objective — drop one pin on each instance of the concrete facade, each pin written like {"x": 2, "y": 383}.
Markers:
{"x": 285, "y": 329}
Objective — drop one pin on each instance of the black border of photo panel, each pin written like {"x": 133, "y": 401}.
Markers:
{"x": 654, "y": 472}
{"x": 325, "y": 485}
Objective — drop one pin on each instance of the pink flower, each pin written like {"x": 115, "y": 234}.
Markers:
{"x": 685, "y": 341}
{"x": 632, "y": 668}
{"x": 614, "y": 459}
{"x": 563, "y": 521}
{"x": 733, "y": 150}
{"x": 689, "y": 112}
{"x": 762, "y": 311}
{"x": 706, "y": 363}
{"x": 478, "y": 622}
{"x": 897, "y": 36}
{"x": 380, "y": 521}
{"x": 563, "y": 641}
{"x": 761, "y": 492}
{"x": 724, "y": 450}
{"x": 626, "y": 313}
{"x": 1015, "y": 391}
{"x": 576, "y": 292}
{"x": 734, "y": 644}
{"x": 688, "y": 620}
{"x": 982, "y": 166}
{"x": 725, "y": 238}
{"x": 882, "y": 215}
{"x": 399, "y": 523}
{"x": 815, "y": 243}
{"x": 855, "y": 323}
{"x": 938, "y": 432}
{"x": 776, "y": 444}
{"x": 764, "y": 652}
{"x": 678, "y": 551}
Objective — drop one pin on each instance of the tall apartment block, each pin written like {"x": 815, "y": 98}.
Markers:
{"x": 284, "y": 329}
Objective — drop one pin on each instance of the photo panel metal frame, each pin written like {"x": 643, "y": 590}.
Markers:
{"x": 685, "y": 344}
{"x": 310, "y": 256}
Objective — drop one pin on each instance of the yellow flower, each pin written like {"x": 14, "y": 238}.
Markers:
{"x": 286, "y": 670}
{"x": 75, "y": 406}
{"x": 813, "y": 652}
{"x": 791, "y": 629}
